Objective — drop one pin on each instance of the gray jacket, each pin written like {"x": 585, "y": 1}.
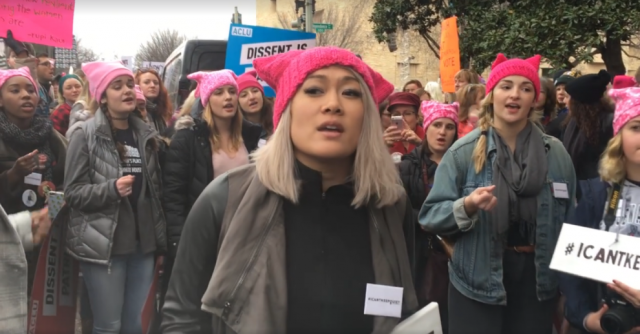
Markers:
{"x": 92, "y": 168}
{"x": 13, "y": 271}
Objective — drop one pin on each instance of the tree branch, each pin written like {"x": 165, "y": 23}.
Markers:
{"x": 628, "y": 55}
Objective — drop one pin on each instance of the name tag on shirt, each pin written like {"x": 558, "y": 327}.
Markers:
{"x": 560, "y": 190}
{"x": 33, "y": 179}
{"x": 383, "y": 300}
{"x": 261, "y": 143}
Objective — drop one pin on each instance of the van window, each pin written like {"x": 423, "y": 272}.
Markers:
{"x": 209, "y": 61}
{"x": 172, "y": 80}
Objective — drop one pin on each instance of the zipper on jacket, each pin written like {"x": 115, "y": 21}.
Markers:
{"x": 109, "y": 268}
{"x": 263, "y": 237}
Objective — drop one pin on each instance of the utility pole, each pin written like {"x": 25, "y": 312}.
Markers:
{"x": 237, "y": 17}
{"x": 308, "y": 13}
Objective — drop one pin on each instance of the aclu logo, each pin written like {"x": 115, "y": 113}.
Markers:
{"x": 242, "y": 32}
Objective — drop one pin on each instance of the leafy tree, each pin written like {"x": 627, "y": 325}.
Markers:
{"x": 564, "y": 32}
{"x": 160, "y": 47}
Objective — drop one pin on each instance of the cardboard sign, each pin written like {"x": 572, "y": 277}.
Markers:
{"x": 426, "y": 321}
{"x": 449, "y": 54}
{"x": 595, "y": 255}
{"x": 47, "y": 22}
{"x": 247, "y": 43}
{"x": 53, "y": 298}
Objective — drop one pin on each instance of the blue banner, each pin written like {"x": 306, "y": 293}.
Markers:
{"x": 247, "y": 43}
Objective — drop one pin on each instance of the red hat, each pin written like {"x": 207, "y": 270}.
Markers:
{"x": 405, "y": 99}
{"x": 249, "y": 80}
{"x": 623, "y": 81}
{"x": 285, "y": 72}
{"x": 503, "y": 67}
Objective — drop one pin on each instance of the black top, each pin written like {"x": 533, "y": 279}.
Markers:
{"x": 329, "y": 261}
{"x": 132, "y": 164}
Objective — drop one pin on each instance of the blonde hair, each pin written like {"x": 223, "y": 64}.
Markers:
{"x": 84, "y": 94}
{"x": 612, "y": 168}
{"x": 485, "y": 121}
{"x": 467, "y": 97}
{"x": 214, "y": 134}
{"x": 374, "y": 173}
{"x": 435, "y": 90}
{"x": 185, "y": 110}
{"x": 469, "y": 76}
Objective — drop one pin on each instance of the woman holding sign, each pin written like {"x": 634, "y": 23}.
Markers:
{"x": 112, "y": 187}
{"x": 502, "y": 192}
{"x": 610, "y": 204}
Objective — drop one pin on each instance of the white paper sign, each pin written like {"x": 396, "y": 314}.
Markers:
{"x": 33, "y": 179}
{"x": 560, "y": 190}
{"x": 383, "y": 300}
{"x": 594, "y": 254}
{"x": 425, "y": 321}
{"x": 127, "y": 61}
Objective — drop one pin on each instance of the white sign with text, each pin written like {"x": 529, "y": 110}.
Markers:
{"x": 383, "y": 300}
{"x": 596, "y": 255}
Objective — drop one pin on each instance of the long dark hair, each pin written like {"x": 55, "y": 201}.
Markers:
{"x": 165, "y": 108}
{"x": 266, "y": 114}
{"x": 549, "y": 108}
{"x": 589, "y": 117}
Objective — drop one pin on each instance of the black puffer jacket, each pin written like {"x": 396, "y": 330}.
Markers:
{"x": 411, "y": 175}
{"x": 188, "y": 169}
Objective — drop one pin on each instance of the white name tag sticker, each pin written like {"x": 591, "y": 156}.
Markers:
{"x": 383, "y": 300}
{"x": 33, "y": 179}
{"x": 560, "y": 190}
{"x": 261, "y": 143}
{"x": 595, "y": 255}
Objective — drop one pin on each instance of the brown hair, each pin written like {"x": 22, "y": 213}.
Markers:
{"x": 421, "y": 92}
{"x": 412, "y": 82}
{"x": 588, "y": 117}
{"x": 468, "y": 76}
{"x": 467, "y": 97}
{"x": 266, "y": 114}
{"x": 214, "y": 136}
{"x": 165, "y": 109}
{"x": 637, "y": 77}
{"x": 549, "y": 108}
{"x": 383, "y": 107}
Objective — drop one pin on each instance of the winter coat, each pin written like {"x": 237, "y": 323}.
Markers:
{"x": 96, "y": 208}
{"x": 188, "y": 169}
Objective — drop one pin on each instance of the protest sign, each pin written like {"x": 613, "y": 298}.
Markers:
{"x": 127, "y": 61}
{"x": 46, "y": 22}
{"x": 53, "y": 297}
{"x": 247, "y": 43}
{"x": 426, "y": 321}
{"x": 449, "y": 54}
{"x": 596, "y": 255}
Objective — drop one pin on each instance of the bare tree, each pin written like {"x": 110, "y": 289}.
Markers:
{"x": 349, "y": 21}
{"x": 85, "y": 54}
{"x": 160, "y": 47}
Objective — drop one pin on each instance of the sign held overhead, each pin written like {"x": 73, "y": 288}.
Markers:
{"x": 247, "y": 43}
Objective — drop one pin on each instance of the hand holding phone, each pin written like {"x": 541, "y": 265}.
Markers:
{"x": 398, "y": 121}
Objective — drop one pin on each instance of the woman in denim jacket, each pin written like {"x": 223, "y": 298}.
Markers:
{"x": 503, "y": 192}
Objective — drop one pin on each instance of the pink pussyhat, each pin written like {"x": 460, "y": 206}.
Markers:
{"x": 208, "y": 82}
{"x": 432, "y": 110}
{"x": 249, "y": 80}
{"x": 21, "y": 72}
{"x": 101, "y": 73}
{"x": 623, "y": 81}
{"x": 503, "y": 67}
{"x": 627, "y": 106}
{"x": 285, "y": 73}
{"x": 139, "y": 95}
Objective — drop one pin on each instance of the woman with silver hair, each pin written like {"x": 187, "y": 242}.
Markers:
{"x": 307, "y": 235}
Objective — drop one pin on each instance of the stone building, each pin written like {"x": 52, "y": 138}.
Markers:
{"x": 413, "y": 58}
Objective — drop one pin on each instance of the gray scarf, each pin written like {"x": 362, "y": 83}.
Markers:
{"x": 519, "y": 178}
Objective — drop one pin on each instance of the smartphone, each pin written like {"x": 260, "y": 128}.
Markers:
{"x": 398, "y": 122}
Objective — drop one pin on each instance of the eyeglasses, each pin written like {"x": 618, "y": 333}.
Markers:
{"x": 47, "y": 63}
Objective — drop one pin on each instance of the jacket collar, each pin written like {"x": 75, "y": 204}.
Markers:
{"x": 141, "y": 129}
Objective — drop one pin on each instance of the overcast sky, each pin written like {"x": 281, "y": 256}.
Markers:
{"x": 118, "y": 27}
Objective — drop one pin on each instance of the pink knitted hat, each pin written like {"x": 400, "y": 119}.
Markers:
{"x": 101, "y": 73}
{"x": 503, "y": 67}
{"x": 623, "y": 81}
{"x": 139, "y": 95}
{"x": 627, "y": 106}
{"x": 249, "y": 80}
{"x": 22, "y": 71}
{"x": 285, "y": 73}
{"x": 432, "y": 110}
{"x": 210, "y": 81}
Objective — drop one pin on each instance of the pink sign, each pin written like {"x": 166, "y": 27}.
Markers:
{"x": 47, "y": 22}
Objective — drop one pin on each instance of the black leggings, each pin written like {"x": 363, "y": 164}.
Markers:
{"x": 524, "y": 314}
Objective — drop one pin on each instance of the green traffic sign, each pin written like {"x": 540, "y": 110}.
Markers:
{"x": 319, "y": 29}
{"x": 323, "y": 26}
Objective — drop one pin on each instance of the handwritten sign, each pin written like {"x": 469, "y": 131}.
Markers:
{"x": 595, "y": 255}
{"x": 46, "y": 22}
{"x": 449, "y": 54}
